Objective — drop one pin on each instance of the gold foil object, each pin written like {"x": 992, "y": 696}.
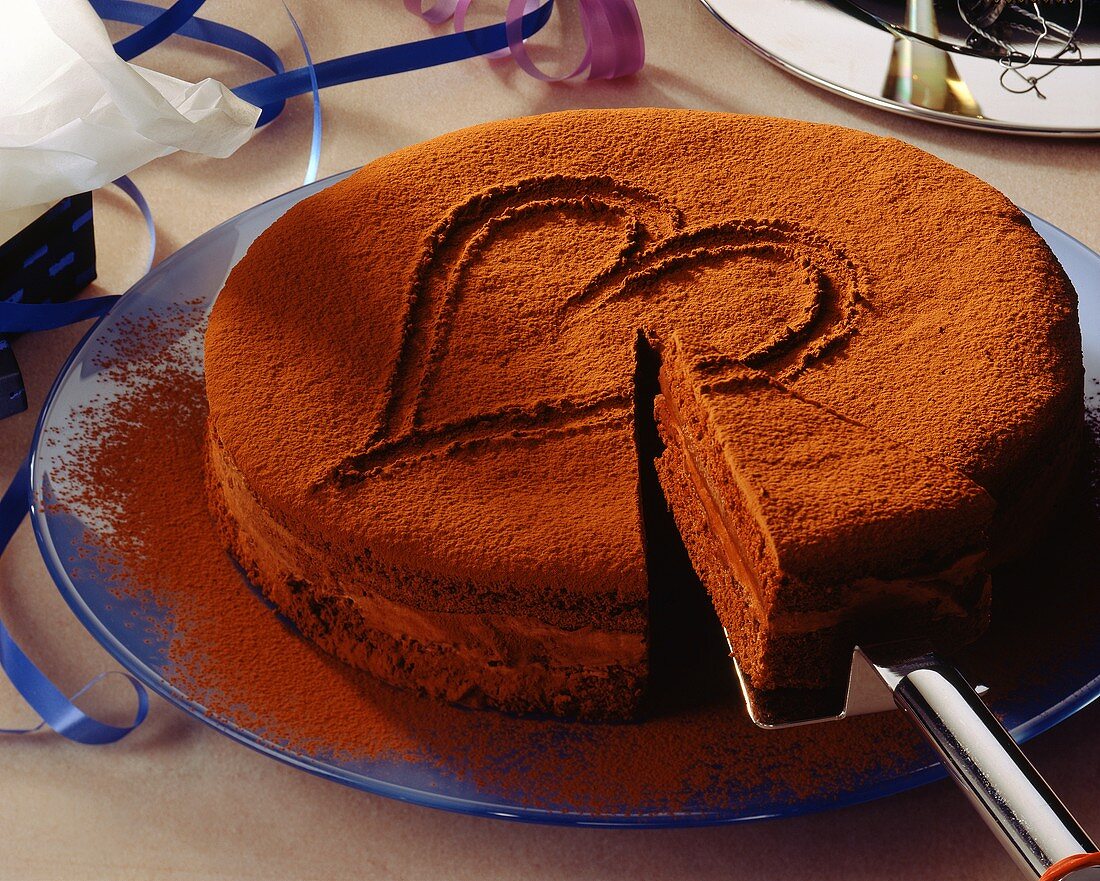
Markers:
{"x": 923, "y": 75}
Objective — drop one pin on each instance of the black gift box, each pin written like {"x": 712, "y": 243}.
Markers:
{"x": 50, "y": 260}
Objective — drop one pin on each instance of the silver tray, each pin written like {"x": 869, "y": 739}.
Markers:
{"x": 910, "y": 57}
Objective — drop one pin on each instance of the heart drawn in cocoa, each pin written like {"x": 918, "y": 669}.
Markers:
{"x": 541, "y": 288}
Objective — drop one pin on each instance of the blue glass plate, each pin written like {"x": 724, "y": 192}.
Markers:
{"x": 1029, "y": 704}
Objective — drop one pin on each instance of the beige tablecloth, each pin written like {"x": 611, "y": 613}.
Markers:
{"x": 176, "y": 799}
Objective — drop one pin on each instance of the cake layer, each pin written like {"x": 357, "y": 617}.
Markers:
{"x": 508, "y": 661}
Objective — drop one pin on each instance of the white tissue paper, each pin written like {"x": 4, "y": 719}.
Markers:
{"x": 74, "y": 116}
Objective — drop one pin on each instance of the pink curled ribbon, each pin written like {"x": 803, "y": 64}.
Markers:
{"x": 613, "y": 42}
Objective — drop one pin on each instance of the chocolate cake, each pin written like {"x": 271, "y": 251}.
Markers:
{"x": 426, "y": 390}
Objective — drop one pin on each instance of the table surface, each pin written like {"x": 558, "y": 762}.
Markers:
{"x": 178, "y": 800}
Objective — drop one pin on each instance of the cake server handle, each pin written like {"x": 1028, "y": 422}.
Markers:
{"x": 983, "y": 759}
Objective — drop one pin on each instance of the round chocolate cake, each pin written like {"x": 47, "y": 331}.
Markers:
{"x": 436, "y": 387}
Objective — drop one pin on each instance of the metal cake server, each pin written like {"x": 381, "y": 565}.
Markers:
{"x": 1021, "y": 809}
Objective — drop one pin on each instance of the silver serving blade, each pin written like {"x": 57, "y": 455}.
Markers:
{"x": 867, "y": 693}
{"x": 1020, "y": 808}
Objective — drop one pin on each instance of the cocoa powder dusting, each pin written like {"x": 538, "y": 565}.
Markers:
{"x": 140, "y": 461}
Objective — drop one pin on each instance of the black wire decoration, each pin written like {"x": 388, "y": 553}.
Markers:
{"x": 1020, "y": 35}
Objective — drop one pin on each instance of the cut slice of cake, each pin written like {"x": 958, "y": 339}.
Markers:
{"x": 811, "y": 531}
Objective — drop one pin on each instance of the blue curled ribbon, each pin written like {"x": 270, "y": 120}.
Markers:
{"x": 130, "y": 189}
{"x": 24, "y": 317}
{"x": 388, "y": 60}
{"x": 158, "y": 30}
{"x": 270, "y": 94}
{"x": 194, "y": 28}
{"x": 315, "y": 139}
